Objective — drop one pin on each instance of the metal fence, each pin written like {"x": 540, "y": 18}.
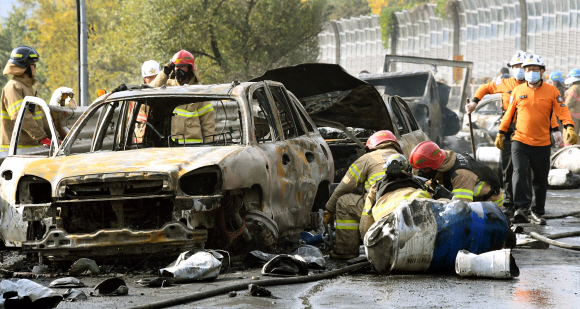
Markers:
{"x": 486, "y": 32}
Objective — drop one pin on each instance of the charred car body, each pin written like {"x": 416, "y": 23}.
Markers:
{"x": 347, "y": 110}
{"x": 101, "y": 193}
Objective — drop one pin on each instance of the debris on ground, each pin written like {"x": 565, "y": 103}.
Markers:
{"x": 499, "y": 264}
{"x": 111, "y": 287}
{"x": 260, "y": 291}
{"x": 526, "y": 242}
{"x": 68, "y": 282}
{"x": 74, "y": 295}
{"x": 425, "y": 235}
{"x": 82, "y": 265}
{"x": 257, "y": 258}
{"x": 563, "y": 179}
{"x": 286, "y": 265}
{"x": 32, "y": 275}
{"x": 192, "y": 266}
{"x": 23, "y": 293}
{"x": 40, "y": 269}
{"x": 312, "y": 255}
{"x": 232, "y": 294}
{"x": 156, "y": 282}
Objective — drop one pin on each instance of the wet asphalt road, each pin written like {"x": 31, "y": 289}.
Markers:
{"x": 549, "y": 278}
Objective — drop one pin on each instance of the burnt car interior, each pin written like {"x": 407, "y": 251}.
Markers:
{"x": 403, "y": 86}
{"x": 154, "y": 122}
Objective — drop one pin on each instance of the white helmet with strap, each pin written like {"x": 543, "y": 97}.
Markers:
{"x": 517, "y": 58}
{"x": 533, "y": 59}
{"x": 150, "y": 68}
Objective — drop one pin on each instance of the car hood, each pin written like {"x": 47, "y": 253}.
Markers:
{"x": 328, "y": 92}
{"x": 165, "y": 160}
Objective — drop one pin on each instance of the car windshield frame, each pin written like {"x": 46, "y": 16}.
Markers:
{"x": 93, "y": 111}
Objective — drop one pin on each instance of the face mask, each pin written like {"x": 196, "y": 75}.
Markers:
{"x": 518, "y": 73}
{"x": 532, "y": 77}
{"x": 181, "y": 75}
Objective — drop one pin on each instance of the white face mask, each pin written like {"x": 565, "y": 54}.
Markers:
{"x": 518, "y": 73}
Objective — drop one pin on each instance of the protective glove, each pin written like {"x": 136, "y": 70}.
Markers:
{"x": 499, "y": 141}
{"x": 558, "y": 141}
{"x": 328, "y": 218}
{"x": 168, "y": 68}
{"x": 46, "y": 142}
{"x": 470, "y": 107}
{"x": 122, "y": 87}
{"x": 570, "y": 136}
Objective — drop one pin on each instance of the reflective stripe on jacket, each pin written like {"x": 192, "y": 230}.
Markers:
{"x": 33, "y": 126}
{"x": 365, "y": 171}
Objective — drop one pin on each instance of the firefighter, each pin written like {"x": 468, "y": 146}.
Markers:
{"x": 505, "y": 87}
{"x": 533, "y": 104}
{"x": 573, "y": 97}
{"x": 556, "y": 79}
{"x": 467, "y": 179}
{"x": 397, "y": 185}
{"x": 22, "y": 65}
{"x": 149, "y": 70}
{"x": 346, "y": 204}
{"x": 192, "y": 123}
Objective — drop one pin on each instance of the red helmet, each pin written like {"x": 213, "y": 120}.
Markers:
{"x": 379, "y": 138}
{"x": 184, "y": 57}
{"x": 427, "y": 155}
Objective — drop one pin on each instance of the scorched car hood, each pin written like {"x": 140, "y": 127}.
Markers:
{"x": 178, "y": 160}
{"x": 328, "y": 92}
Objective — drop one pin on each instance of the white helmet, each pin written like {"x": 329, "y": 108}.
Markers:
{"x": 517, "y": 58}
{"x": 150, "y": 68}
{"x": 533, "y": 59}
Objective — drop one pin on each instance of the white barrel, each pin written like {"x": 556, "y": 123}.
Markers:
{"x": 499, "y": 264}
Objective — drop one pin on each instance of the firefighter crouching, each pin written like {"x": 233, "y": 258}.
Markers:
{"x": 396, "y": 186}
{"x": 573, "y": 98}
{"x": 467, "y": 179}
{"x": 192, "y": 123}
{"x": 22, "y": 65}
{"x": 346, "y": 204}
{"x": 533, "y": 104}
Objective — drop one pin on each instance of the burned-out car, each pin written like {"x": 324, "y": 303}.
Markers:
{"x": 347, "y": 110}
{"x": 108, "y": 191}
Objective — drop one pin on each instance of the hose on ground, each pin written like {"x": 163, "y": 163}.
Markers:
{"x": 574, "y": 213}
{"x": 244, "y": 286}
{"x": 549, "y": 239}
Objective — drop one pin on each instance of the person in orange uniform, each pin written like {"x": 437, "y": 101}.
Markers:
{"x": 532, "y": 106}
{"x": 505, "y": 87}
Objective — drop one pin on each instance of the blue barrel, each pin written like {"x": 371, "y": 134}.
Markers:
{"x": 426, "y": 235}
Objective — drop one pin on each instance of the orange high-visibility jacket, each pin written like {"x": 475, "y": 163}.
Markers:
{"x": 531, "y": 109}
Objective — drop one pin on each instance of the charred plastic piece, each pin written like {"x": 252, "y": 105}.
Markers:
{"x": 111, "y": 287}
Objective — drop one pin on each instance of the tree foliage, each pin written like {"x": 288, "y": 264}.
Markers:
{"x": 337, "y": 9}
{"x": 233, "y": 39}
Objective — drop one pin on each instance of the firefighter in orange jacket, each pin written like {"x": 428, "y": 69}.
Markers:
{"x": 505, "y": 87}
{"x": 533, "y": 104}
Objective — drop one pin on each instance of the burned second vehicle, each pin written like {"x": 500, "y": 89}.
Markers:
{"x": 127, "y": 181}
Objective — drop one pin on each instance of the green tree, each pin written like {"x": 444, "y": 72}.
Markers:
{"x": 13, "y": 32}
{"x": 230, "y": 39}
{"x": 337, "y": 9}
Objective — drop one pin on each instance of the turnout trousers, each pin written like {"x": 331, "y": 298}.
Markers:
{"x": 349, "y": 208}
{"x": 535, "y": 160}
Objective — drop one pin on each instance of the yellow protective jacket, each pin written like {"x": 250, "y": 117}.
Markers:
{"x": 386, "y": 204}
{"x": 366, "y": 170}
{"x": 191, "y": 123}
{"x": 466, "y": 185}
{"x": 573, "y": 100}
{"x": 33, "y": 126}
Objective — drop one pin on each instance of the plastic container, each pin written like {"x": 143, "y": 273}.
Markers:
{"x": 498, "y": 264}
{"x": 426, "y": 235}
